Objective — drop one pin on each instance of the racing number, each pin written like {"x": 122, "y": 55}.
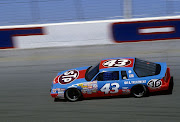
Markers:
{"x": 122, "y": 62}
{"x": 110, "y": 63}
{"x": 117, "y": 63}
{"x": 106, "y": 88}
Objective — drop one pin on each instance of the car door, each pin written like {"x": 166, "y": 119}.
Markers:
{"x": 126, "y": 82}
{"x": 108, "y": 83}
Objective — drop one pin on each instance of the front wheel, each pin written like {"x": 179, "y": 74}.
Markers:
{"x": 72, "y": 94}
{"x": 139, "y": 91}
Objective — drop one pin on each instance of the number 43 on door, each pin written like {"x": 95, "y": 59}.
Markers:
{"x": 114, "y": 89}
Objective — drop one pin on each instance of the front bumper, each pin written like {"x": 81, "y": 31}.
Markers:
{"x": 56, "y": 93}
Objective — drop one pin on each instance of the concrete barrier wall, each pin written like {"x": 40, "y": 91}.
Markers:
{"x": 73, "y": 33}
{"x": 67, "y": 35}
{"x": 60, "y": 34}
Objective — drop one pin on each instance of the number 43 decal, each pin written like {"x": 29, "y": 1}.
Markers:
{"x": 106, "y": 88}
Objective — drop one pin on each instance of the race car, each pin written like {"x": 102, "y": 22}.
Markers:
{"x": 112, "y": 77}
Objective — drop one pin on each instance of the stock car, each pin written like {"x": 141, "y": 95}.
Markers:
{"x": 112, "y": 77}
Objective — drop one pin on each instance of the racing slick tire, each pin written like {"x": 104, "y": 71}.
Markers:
{"x": 73, "y": 94}
{"x": 171, "y": 85}
{"x": 139, "y": 91}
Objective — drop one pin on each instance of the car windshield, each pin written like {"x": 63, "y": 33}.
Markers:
{"x": 146, "y": 68}
{"x": 91, "y": 72}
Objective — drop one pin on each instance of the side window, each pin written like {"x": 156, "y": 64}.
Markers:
{"x": 107, "y": 76}
{"x": 124, "y": 75}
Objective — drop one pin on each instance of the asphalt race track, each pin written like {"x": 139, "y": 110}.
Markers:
{"x": 26, "y": 76}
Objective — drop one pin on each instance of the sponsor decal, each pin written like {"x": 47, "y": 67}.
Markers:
{"x": 84, "y": 87}
{"x": 125, "y": 87}
{"x": 129, "y": 71}
{"x": 68, "y": 76}
{"x": 131, "y": 75}
{"x": 89, "y": 91}
{"x": 81, "y": 84}
{"x": 95, "y": 86}
{"x": 135, "y": 82}
{"x": 127, "y": 82}
{"x": 139, "y": 81}
{"x": 59, "y": 89}
{"x": 84, "y": 91}
{"x": 154, "y": 83}
{"x": 54, "y": 90}
{"x": 116, "y": 63}
{"x": 62, "y": 89}
{"x": 89, "y": 87}
{"x": 61, "y": 94}
{"x": 125, "y": 91}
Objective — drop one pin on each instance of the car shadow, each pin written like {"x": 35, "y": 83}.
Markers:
{"x": 116, "y": 97}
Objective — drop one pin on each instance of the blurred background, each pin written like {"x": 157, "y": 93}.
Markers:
{"x": 15, "y": 12}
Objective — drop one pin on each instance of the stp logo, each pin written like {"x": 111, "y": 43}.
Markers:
{"x": 68, "y": 76}
{"x": 117, "y": 63}
{"x": 155, "y": 83}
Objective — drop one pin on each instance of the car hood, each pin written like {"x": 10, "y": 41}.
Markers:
{"x": 70, "y": 77}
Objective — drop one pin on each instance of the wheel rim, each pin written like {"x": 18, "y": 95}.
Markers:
{"x": 139, "y": 91}
{"x": 72, "y": 94}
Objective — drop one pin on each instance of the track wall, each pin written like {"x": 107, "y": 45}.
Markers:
{"x": 89, "y": 32}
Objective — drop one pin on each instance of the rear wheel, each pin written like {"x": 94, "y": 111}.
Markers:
{"x": 139, "y": 91}
{"x": 73, "y": 94}
{"x": 171, "y": 84}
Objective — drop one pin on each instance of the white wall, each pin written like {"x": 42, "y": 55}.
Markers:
{"x": 68, "y": 35}
{"x": 72, "y": 33}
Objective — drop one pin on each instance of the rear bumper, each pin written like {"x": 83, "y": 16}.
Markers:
{"x": 165, "y": 85}
{"x": 165, "y": 82}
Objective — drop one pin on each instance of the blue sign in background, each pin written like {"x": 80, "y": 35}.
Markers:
{"x": 128, "y": 31}
{"x": 7, "y": 34}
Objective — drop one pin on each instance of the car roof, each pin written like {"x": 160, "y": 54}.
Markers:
{"x": 115, "y": 64}
{"x": 119, "y": 58}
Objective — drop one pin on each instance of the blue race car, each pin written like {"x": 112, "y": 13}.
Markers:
{"x": 112, "y": 77}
